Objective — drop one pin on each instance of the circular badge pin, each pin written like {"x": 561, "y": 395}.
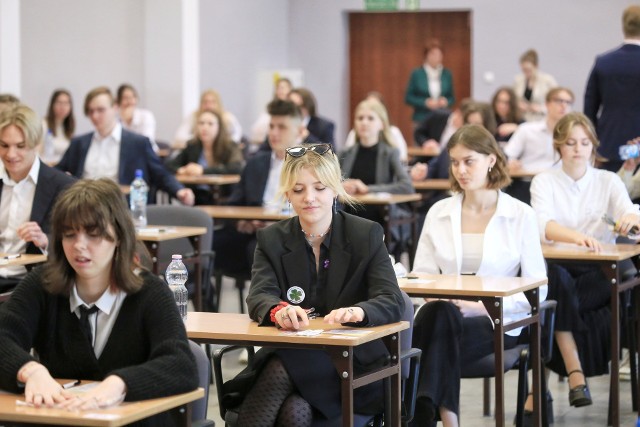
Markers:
{"x": 295, "y": 294}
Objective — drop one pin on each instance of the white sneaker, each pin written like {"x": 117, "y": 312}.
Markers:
{"x": 243, "y": 357}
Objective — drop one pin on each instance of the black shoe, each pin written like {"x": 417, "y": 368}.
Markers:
{"x": 528, "y": 415}
{"x": 580, "y": 396}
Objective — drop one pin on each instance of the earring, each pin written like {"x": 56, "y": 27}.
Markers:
{"x": 335, "y": 205}
{"x": 490, "y": 167}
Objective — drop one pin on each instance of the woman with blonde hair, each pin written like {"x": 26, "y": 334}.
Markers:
{"x": 209, "y": 100}
{"x": 300, "y": 267}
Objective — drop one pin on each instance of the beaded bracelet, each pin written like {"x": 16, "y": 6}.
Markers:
{"x": 276, "y": 309}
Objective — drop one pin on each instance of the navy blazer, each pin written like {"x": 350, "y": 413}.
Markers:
{"x": 135, "y": 153}
{"x": 391, "y": 175}
{"x": 612, "y": 98}
{"x": 432, "y": 127}
{"x": 322, "y": 129}
{"x": 253, "y": 181}
{"x": 51, "y": 183}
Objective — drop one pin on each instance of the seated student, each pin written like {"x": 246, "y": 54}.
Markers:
{"x": 373, "y": 165}
{"x": 235, "y": 243}
{"x": 209, "y": 100}
{"x": 211, "y": 152}
{"x": 115, "y": 153}
{"x": 302, "y": 263}
{"x": 322, "y": 129}
{"x": 92, "y": 313}
{"x": 628, "y": 173}
{"x": 507, "y": 114}
{"x": 59, "y": 126}
{"x": 570, "y": 202}
{"x": 132, "y": 117}
{"x": 28, "y": 189}
{"x": 481, "y": 231}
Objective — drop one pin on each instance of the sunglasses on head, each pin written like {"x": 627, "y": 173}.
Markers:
{"x": 300, "y": 150}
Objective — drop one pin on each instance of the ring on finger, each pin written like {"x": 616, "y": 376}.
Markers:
{"x": 350, "y": 310}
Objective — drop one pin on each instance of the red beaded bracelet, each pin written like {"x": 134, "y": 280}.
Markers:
{"x": 276, "y": 309}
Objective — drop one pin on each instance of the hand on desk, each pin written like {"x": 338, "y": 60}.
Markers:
{"x": 107, "y": 393}
{"x": 625, "y": 225}
{"x": 292, "y": 317}
{"x": 40, "y": 388}
{"x": 588, "y": 241}
{"x": 345, "y": 315}
{"x": 31, "y": 232}
{"x": 186, "y": 196}
{"x": 191, "y": 169}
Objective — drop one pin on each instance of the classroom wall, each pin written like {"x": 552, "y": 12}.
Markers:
{"x": 83, "y": 43}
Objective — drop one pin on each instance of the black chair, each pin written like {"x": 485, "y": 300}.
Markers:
{"x": 186, "y": 216}
{"x": 410, "y": 365}
{"x": 199, "y": 407}
{"x": 518, "y": 358}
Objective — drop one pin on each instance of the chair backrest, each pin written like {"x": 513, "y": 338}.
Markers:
{"x": 199, "y": 407}
{"x": 406, "y": 336}
{"x": 179, "y": 215}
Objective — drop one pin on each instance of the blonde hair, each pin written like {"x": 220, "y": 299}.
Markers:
{"x": 325, "y": 166}
{"x": 478, "y": 139}
{"x": 379, "y": 109}
{"x": 25, "y": 119}
{"x": 565, "y": 125}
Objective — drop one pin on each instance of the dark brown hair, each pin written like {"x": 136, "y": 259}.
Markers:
{"x": 96, "y": 206}
{"x": 278, "y": 107}
{"x": 69, "y": 122}
{"x": 100, "y": 90}
{"x": 513, "y": 116}
{"x": 121, "y": 89}
{"x": 478, "y": 139}
{"x": 430, "y": 45}
{"x": 308, "y": 100}
{"x": 223, "y": 148}
{"x": 530, "y": 56}
{"x": 485, "y": 111}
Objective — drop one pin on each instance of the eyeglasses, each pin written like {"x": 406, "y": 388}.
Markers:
{"x": 301, "y": 150}
{"x": 559, "y": 101}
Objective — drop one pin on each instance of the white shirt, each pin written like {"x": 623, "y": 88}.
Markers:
{"x": 514, "y": 246}
{"x": 434, "y": 81}
{"x": 16, "y": 204}
{"x": 580, "y": 204}
{"x": 143, "y": 122}
{"x": 398, "y": 141}
{"x": 631, "y": 181}
{"x": 53, "y": 146}
{"x": 103, "y": 157}
{"x": 532, "y": 144}
{"x": 101, "y": 321}
{"x": 471, "y": 252}
{"x": 271, "y": 189}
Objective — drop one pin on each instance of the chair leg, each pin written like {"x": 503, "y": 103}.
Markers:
{"x": 523, "y": 387}
{"x": 218, "y": 280}
{"x": 240, "y": 285}
{"x": 486, "y": 393}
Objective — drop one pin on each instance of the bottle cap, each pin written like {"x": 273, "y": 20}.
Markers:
{"x": 138, "y": 173}
{"x": 176, "y": 256}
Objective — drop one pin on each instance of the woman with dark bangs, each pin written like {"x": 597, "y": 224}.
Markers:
{"x": 92, "y": 313}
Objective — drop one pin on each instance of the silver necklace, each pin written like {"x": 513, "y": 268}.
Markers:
{"x": 309, "y": 236}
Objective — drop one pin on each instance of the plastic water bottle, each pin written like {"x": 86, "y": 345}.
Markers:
{"x": 176, "y": 276}
{"x": 138, "y": 200}
{"x": 629, "y": 151}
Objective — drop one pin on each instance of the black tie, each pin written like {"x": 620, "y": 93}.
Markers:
{"x": 84, "y": 321}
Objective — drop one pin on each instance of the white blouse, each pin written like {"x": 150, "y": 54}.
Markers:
{"x": 471, "y": 252}
{"x": 580, "y": 204}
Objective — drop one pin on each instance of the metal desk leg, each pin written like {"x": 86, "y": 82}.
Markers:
{"x": 195, "y": 243}
{"x": 342, "y": 358}
{"x": 533, "y": 296}
{"x": 393, "y": 414}
{"x": 613, "y": 275}
{"x": 494, "y": 307}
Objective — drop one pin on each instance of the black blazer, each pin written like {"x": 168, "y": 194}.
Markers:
{"x": 253, "y": 181}
{"x": 192, "y": 153}
{"x": 51, "y": 183}
{"x": 322, "y": 129}
{"x": 432, "y": 127}
{"x": 135, "y": 153}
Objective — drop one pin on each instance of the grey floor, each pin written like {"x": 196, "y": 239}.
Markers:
{"x": 471, "y": 395}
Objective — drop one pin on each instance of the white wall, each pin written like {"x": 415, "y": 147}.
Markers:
{"x": 79, "y": 44}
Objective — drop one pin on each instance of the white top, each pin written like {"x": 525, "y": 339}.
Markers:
{"x": 143, "y": 122}
{"x": 580, "y": 204}
{"x": 631, "y": 181}
{"x": 260, "y": 128}
{"x": 471, "y": 252}
{"x": 271, "y": 189}
{"x": 103, "y": 157}
{"x": 16, "y": 204}
{"x": 101, "y": 321}
{"x": 513, "y": 247}
{"x": 434, "y": 80}
{"x": 398, "y": 141}
{"x": 532, "y": 144}
{"x": 53, "y": 146}
{"x": 544, "y": 83}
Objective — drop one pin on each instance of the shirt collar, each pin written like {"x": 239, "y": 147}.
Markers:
{"x": 632, "y": 41}
{"x": 105, "y": 303}
{"x": 582, "y": 183}
{"x": 116, "y": 133}
{"x": 33, "y": 173}
{"x": 504, "y": 208}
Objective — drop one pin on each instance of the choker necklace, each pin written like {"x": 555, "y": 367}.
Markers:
{"x": 309, "y": 236}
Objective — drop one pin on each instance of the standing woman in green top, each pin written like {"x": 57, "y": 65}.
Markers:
{"x": 430, "y": 86}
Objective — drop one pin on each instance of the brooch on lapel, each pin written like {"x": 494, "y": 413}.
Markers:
{"x": 295, "y": 294}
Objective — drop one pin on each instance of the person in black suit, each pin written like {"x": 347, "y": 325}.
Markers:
{"x": 612, "y": 96}
{"x": 319, "y": 128}
{"x": 115, "y": 153}
{"x": 332, "y": 263}
{"x": 28, "y": 189}
{"x": 235, "y": 243}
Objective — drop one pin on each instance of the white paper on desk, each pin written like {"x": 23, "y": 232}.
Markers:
{"x": 98, "y": 416}
{"x": 348, "y": 332}
{"x": 382, "y": 195}
{"x": 154, "y": 230}
{"x": 419, "y": 281}
{"x": 79, "y": 389}
{"x": 305, "y": 333}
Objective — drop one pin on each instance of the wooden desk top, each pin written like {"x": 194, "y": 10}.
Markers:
{"x": 123, "y": 414}
{"x": 387, "y": 199}
{"x": 610, "y": 252}
{"x": 239, "y": 327}
{"x": 23, "y": 259}
{"x": 209, "y": 179}
{"x": 245, "y": 212}
{"x": 432, "y": 184}
{"x": 160, "y": 233}
{"x": 421, "y": 152}
{"x": 475, "y": 286}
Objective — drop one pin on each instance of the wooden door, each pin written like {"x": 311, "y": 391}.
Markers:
{"x": 384, "y": 47}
